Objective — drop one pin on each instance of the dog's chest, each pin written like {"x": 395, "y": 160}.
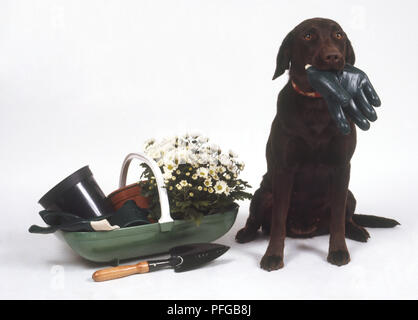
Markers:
{"x": 315, "y": 117}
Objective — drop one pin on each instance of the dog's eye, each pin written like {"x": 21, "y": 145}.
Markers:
{"x": 307, "y": 36}
{"x": 338, "y": 35}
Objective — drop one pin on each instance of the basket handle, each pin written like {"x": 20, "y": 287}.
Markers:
{"x": 165, "y": 221}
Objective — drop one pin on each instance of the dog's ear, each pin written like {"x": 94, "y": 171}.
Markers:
{"x": 283, "y": 57}
{"x": 350, "y": 57}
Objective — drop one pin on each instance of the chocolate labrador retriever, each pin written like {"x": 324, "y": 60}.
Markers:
{"x": 305, "y": 190}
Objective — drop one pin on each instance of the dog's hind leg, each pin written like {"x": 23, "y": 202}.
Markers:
{"x": 259, "y": 207}
{"x": 355, "y": 223}
{"x": 352, "y": 230}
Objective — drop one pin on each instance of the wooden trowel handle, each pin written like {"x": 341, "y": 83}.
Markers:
{"x": 120, "y": 271}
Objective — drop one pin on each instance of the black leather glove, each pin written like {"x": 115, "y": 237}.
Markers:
{"x": 128, "y": 215}
{"x": 348, "y": 92}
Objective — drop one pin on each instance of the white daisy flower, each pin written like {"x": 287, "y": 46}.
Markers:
{"x": 242, "y": 166}
{"x": 202, "y": 172}
{"x": 166, "y": 148}
{"x": 212, "y": 170}
{"x": 169, "y": 167}
{"x": 232, "y": 168}
{"x": 224, "y": 159}
{"x": 227, "y": 191}
{"x": 207, "y": 182}
{"x": 169, "y": 156}
{"x": 183, "y": 183}
{"x": 148, "y": 143}
{"x": 214, "y": 148}
{"x": 156, "y": 155}
{"x": 220, "y": 186}
{"x": 203, "y": 158}
{"x": 213, "y": 161}
{"x": 193, "y": 158}
{"x": 167, "y": 175}
{"x": 220, "y": 169}
{"x": 232, "y": 154}
{"x": 184, "y": 156}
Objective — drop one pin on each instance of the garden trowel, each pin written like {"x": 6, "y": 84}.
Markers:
{"x": 182, "y": 258}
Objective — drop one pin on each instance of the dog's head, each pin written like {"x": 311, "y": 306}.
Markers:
{"x": 319, "y": 42}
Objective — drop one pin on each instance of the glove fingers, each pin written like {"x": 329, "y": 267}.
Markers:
{"x": 337, "y": 92}
{"x": 371, "y": 94}
{"x": 357, "y": 117}
{"x": 365, "y": 107}
{"x": 338, "y": 116}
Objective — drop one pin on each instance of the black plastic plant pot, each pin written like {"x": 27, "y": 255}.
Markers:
{"x": 78, "y": 194}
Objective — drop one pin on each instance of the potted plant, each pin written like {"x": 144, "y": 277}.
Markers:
{"x": 199, "y": 177}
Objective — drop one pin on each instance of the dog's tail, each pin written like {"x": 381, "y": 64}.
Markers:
{"x": 369, "y": 221}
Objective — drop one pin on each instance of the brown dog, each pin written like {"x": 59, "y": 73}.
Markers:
{"x": 305, "y": 190}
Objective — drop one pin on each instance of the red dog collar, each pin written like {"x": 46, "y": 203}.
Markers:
{"x": 304, "y": 93}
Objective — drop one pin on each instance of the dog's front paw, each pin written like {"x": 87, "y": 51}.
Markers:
{"x": 271, "y": 263}
{"x": 339, "y": 257}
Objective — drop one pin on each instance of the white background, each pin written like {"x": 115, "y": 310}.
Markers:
{"x": 86, "y": 82}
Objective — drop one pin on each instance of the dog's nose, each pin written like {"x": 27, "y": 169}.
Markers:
{"x": 331, "y": 57}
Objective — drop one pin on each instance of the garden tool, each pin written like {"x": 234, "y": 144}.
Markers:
{"x": 182, "y": 258}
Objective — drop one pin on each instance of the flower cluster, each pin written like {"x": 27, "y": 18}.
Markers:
{"x": 200, "y": 178}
